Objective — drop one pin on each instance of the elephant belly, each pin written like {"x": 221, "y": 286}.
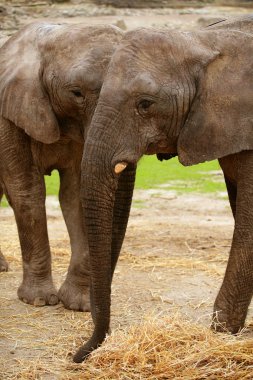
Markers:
{"x": 60, "y": 155}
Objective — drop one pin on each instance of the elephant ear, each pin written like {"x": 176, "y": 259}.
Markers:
{"x": 23, "y": 99}
{"x": 220, "y": 121}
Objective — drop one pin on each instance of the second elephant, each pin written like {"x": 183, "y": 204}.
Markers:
{"x": 50, "y": 78}
{"x": 173, "y": 92}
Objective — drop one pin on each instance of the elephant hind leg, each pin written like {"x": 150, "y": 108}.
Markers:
{"x": 234, "y": 297}
{"x": 3, "y": 262}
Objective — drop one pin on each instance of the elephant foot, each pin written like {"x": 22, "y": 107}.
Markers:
{"x": 229, "y": 320}
{"x": 221, "y": 323}
{"x": 39, "y": 293}
{"x": 3, "y": 263}
{"x": 74, "y": 297}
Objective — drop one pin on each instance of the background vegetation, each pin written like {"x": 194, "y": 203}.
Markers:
{"x": 171, "y": 175}
{"x": 167, "y": 175}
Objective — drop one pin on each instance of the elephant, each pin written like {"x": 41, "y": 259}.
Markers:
{"x": 50, "y": 79}
{"x": 173, "y": 93}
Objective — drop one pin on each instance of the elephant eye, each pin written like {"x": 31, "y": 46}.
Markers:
{"x": 144, "y": 106}
{"x": 77, "y": 93}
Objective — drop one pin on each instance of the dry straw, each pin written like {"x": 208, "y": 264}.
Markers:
{"x": 171, "y": 348}
{"x": 164, "y": 348}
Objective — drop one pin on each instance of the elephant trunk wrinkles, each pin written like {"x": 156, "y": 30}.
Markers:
{"x": 106, "y": 199}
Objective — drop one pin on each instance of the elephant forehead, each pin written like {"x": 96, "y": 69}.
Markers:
{"x": 90, "y": 75}
{"x": 76, "y": 42}
{"x": 157, "y": 51}
{"x": 87, "y": 67}
{"x": 142, "y": 82}
{"x": 138, "y": 63}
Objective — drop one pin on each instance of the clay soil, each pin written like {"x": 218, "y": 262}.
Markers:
{"x": 173, "y": 258}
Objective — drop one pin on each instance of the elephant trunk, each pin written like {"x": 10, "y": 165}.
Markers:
{"x": 106, "y": 198}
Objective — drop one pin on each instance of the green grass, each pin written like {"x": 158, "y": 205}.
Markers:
{"x": 4, "y": 202}
{"x": 52, "y": 183}
{"x": 168, "y": 175}
{"x": 171, "y": 175}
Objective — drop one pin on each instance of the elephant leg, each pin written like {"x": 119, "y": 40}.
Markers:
{"x": 232, "y": 193}
{"x": 231, "y": 305}
{"x": 24, "y": 188}
{"x": 3, "y": 262}
{"x": 74, "y": 292}
{"x": 26, "y": 194}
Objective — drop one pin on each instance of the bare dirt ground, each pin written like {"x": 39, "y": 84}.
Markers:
{"x": 15, "y": 14}
{"x": 173, "y": 258}
{"x": 173, "y": 261}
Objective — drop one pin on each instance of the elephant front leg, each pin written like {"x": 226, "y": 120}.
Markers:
{"x": 232, "y": 302}
{"x": 26, "y": 195}
{"x": 74, "y": 292}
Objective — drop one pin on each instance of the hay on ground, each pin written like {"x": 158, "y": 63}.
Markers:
{"x": 171, "y": 348}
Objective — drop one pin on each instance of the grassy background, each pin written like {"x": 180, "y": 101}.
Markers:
{"x": 171, "y": 175}
{"x": 168, "y": 175}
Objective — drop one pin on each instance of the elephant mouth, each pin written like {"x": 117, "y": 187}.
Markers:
{"x": 165, "y": 156}
{"x": 162, "y": 147}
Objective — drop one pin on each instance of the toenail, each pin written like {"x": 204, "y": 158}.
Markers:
{"x": 39, "y": 301}
{"x": 53, "y": 300}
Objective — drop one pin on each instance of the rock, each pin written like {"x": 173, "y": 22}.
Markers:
{"x": 121, "y": 24}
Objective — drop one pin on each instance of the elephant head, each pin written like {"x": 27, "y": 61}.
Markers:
{"x": 51, "y": 75}
{"x": 165, "y": 92}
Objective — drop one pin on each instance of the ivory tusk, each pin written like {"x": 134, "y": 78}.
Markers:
{"x": 120, "y": 167}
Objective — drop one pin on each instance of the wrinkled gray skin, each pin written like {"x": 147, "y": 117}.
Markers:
{"x": 50, "y": 78}
{"x": 3, "y": 262}
{"x": 185, "y": 93}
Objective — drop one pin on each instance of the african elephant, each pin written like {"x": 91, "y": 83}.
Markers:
{"x": 172, "y": 92}
{"x": 50, "y": 78}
